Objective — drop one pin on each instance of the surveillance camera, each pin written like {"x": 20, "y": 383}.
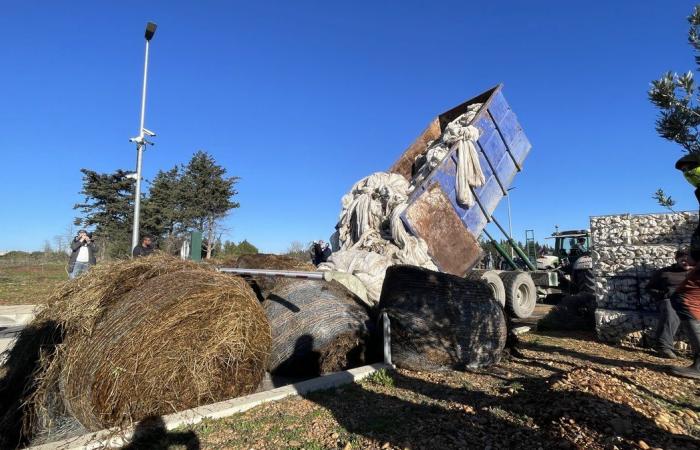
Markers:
{"x": 136, "y": 140}
{"x": 148, "y": 132}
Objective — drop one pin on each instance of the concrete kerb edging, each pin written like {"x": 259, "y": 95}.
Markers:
{"x": 114, "y": 437}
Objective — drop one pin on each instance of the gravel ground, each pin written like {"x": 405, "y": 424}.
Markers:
{"x": 555, "y": 392}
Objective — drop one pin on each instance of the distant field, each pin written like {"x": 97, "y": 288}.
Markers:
{"x": 30, "y": 282}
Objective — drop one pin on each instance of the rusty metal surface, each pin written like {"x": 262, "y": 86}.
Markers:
{"x": 404, "y": 165}
{"x": 450, "y": 244}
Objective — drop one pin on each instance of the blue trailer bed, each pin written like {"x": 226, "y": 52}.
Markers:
{"x": 433, "y": 213}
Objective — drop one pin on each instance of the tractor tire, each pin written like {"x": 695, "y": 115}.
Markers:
{"x": 584, "y": 281}
{"x": 494, "y": 281}
{"x": 521, "y": 294}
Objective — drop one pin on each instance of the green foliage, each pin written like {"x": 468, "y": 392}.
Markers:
{"x": 242, "y": 248}
{"x": 676, "y": 97}
{"x": 194, "y": 197}
{"x": 205, "y": 196}
{"x": 108, "y": 207}
{"x": 663, "y": 200}
{"x": 381, "y": 377}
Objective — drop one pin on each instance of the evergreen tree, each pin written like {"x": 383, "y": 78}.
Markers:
{"x": 108, "y": 206}
{"x": 677, "y": 98}
{"x": 162, "y": 209}
{"x": 205, "y": 196}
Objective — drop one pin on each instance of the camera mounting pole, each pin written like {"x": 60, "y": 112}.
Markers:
{"x": 140, "y": 140}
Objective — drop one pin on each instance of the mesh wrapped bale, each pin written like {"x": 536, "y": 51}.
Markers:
{"x": 175, "y": 342}
{"x": 264, "y": 285}
{"x": 440, "y": 321}
{"x": 317, "y": 327}
{"x": 17, "y": 384}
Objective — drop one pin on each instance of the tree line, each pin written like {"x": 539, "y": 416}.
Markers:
{"x": 193, "y": 196}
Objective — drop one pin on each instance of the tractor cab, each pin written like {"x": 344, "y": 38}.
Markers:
{"x": 570, "y": 245}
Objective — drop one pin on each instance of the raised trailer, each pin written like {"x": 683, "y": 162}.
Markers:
{"x": 452, "y": 230}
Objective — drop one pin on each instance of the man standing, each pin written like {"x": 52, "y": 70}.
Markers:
{"x": 82, "y": 255}
{"x": 320, "y": 252}
{"x": 661, "y": 286}
{"x": 145, "y": 248}
{"x": 686, "y": 299}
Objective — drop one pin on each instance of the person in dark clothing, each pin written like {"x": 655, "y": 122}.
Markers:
{"x": 82, "y": 254}
{"x": 145, "y": 248}
{"x": 320, "y": 252}
{"x": 686, "y": 299}
{"x": 661, "y": 286}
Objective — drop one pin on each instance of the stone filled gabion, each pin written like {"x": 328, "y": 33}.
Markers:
{"x": 629, "y": 249}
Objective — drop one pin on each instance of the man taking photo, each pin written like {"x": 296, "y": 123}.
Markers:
{"x": 82, "y": 255}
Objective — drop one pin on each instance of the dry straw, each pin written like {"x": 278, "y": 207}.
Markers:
{"x": 140, "y": 337}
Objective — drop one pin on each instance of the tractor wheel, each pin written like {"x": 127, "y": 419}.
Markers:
{"x": 494, "y": 281}
{"x": 584, "y": 281}
{"x": 521, "y": 294}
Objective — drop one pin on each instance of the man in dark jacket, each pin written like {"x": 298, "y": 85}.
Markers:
{"x": 686, "y": 299}
{"x": 145, "y": 248}
{"x": 82, "y": 254}
{"x": 661, "y": 286}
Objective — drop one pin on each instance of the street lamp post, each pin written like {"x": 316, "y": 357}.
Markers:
{"x": 140, "y": 140}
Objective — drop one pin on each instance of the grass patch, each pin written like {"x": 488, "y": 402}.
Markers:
{"x": 382, "y": 377}
{"x": 30, "y": 283}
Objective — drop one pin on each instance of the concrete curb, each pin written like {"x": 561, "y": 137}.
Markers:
{"x": 17, "y": 314}
{"x": 114, "y": 437}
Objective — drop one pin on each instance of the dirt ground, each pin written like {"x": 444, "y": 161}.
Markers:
{"x": 556, "y": 391}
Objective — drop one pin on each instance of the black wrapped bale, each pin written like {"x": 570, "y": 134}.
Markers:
{"x": 317, "y": 327}
{"x": 441, "y": 321}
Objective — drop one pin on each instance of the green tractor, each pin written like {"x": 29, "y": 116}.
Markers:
{"x": 573, "y": 262}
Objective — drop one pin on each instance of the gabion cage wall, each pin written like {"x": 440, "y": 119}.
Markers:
{"x": 629, "y": 248}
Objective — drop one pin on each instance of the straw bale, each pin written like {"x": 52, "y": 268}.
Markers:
{"x": 78, "y": 304}
{"x": 317, "y": 327}
{"x": 174, "y": 342}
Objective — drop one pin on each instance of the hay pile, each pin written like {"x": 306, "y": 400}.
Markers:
{"x": 263, "y": 285}
{"x": 141, "y": 337}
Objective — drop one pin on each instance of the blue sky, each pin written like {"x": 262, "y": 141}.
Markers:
{"x": 301, "y": 99}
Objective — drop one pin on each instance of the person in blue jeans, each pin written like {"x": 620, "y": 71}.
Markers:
{"x": 82, "y": 255}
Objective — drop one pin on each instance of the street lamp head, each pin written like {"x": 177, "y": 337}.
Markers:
{"x": 150, "y": 30}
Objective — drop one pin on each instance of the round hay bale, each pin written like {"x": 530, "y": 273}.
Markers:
{"x": 317, "y": 327}
{"x": 78, "y": 304}
{"x": 177, "y": 341}
{"x": 23, "y": 361}
{"x": 440, "y": 321}
{"x": 263, "y": 285}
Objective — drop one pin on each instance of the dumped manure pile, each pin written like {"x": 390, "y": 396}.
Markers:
{"x": 128, "y": 340}
{"x": 263, "y": 285}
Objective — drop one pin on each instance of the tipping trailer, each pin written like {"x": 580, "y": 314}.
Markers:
{"x": 452, "y": 230}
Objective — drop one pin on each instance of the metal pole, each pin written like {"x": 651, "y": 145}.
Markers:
{"x": 139, "y": 156}
{"x": 510, "y": 223}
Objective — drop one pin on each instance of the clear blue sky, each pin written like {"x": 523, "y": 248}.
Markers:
{"x": 301, "y": 99}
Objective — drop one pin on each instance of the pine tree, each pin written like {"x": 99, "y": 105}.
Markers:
{"x": 108, "y": 206}
{"x": 677, "y": 98}
{"x": 206, "y": 194}
{"x": 162, "y": 208}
